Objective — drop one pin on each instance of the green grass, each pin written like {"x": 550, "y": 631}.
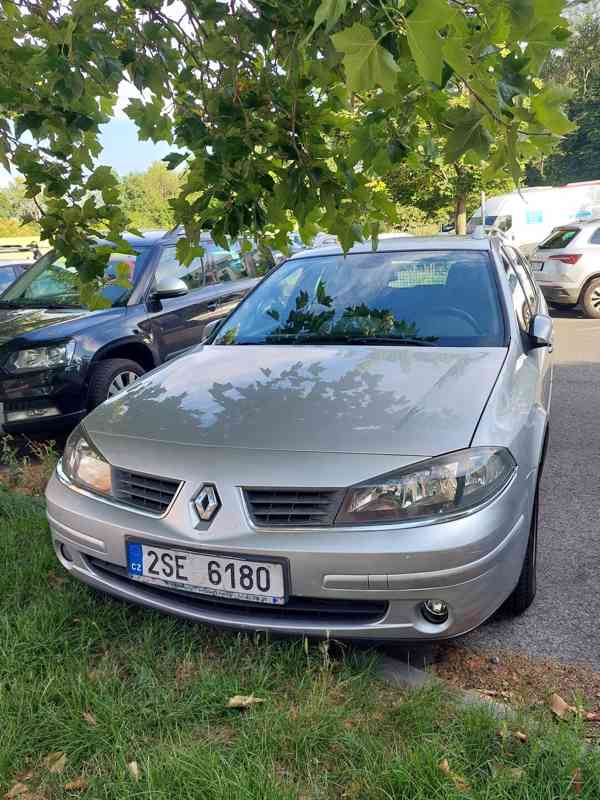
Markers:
{"x": 158, "y": 690}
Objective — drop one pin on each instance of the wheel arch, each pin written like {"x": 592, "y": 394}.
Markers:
{"x": 131, "y": 348}
{"x": 586, "y": 283}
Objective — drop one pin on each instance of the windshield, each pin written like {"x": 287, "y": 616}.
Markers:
{"x": 52, "y": 282}
{"x": 423, "y": 298}
{"x": 502, "y": 222}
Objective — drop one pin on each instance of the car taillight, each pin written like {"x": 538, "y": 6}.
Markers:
{"x": 571, "y": 258}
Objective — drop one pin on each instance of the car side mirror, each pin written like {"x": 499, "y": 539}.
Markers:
{"x": 169, "y": 286}
{"x": 541, "y": 331}
{"x": 210, "y": 328}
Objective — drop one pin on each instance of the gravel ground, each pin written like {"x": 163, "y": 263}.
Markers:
{"x": 564, "y": 621}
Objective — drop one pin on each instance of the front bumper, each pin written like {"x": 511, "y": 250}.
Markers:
{"x": 345, "y": 584}
{"x": 42, "y": 402}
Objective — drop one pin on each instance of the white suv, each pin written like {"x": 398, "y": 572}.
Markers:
{"x": 566, "y": 266}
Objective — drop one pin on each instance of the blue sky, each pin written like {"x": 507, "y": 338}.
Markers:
{"x": 121, "y": 149}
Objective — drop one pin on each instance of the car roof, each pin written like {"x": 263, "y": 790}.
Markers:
{"x": 146, "y": 239}
{"x": 578, "y": 223}
{"x": 403, "y": 242}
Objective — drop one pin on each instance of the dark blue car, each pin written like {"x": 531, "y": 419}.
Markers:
{"x": 59, "y": 359}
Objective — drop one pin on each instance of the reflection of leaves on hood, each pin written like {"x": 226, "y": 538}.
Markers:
{"x": 302, "y": 300}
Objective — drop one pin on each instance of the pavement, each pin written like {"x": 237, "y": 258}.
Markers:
{"x": 564, "y": 620}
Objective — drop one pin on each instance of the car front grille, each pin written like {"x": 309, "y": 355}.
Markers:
{"x": 297, "y": 610}
{"x": 293, "y": 507}
{"x": 146, "y": 492}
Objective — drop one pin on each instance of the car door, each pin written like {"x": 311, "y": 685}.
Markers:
{"x": 178, "y": 323}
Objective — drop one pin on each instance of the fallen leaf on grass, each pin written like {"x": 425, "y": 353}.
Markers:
{"x": 593, "y": 716}
{"x": 522, "y": 737}
{"x": 24, "y": 776}
{"x": 55, "y": 762}
{"x": 243, "y": 701}
{"x": 458, "y": 780}
{"x": 90, "y": 718}
{"x": 134, "y": 770}
{"x": 77, "y": 785}
{"x": 560, "y": 707}
{"x": 17, "y": 790}
{"x": 56, "y": 580}
{"x": 516, "y": 773}
{"x": 576, "y": 783}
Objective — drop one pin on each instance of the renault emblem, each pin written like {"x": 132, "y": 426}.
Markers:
{"x": 207, "y": 502}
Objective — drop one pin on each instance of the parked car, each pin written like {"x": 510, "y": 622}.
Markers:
{"x": 566, "y": 266}
{"x": 9, "y": 272}
{"x": 58, "y": 359}
{"x": 527, "y": 216}
{"x": 354, "y": 453}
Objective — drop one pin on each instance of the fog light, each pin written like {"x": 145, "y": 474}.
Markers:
{"x": 66, "y": 553}
{"x": 435, "y": 611}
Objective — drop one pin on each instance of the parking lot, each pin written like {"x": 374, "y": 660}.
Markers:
{"x": 563, "y": 621}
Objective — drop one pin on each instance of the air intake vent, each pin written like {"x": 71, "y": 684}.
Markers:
{"x": 293, "y": 507}
{"x": 145, "y": 492}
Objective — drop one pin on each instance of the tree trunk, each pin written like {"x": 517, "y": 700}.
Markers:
{"x": 460, "y": 214}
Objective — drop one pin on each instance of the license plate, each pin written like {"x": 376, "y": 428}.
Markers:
{"x": 207, "y": 573}
{"x": 537, "y": 266}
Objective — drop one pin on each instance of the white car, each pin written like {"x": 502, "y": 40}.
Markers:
{"x": 566, "y": 267}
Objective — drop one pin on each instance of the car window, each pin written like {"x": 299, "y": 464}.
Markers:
{"x": 559, "y": 238}
{"x": 215, "y": 265}
{"x": 446, "y": 297}
{"x": 519, "y": 299}
{"x": 7, "y": 276}
{"x": 524, "y": 274}
{"x": 595, "y": 237}
{"x": 52, "y": 280}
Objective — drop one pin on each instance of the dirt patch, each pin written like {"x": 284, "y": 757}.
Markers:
{"x": 518, "y": 679}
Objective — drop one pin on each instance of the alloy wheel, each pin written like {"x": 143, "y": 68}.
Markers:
{"x": 121, "y": 381}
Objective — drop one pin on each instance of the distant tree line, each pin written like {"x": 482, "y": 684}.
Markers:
{"x": 145, "y": 197}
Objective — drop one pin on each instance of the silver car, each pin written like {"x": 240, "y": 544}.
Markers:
{"x": 354, "y": 453}
{"x": 566, "y": 266}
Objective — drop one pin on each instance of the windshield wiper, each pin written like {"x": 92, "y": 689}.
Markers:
{"x": 358, "y": 340}
{"x": 36, "y": 304}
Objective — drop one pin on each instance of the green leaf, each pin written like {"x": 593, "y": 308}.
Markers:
{"x": 328, "y": 12}
{"x": 424, "y": 40}
{"x": 468, "y": 133}
{"x": 366, "y": 62}
{"x": 547, "y": 108}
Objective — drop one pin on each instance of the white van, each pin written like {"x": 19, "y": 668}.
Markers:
{"x": 528, "y": 216}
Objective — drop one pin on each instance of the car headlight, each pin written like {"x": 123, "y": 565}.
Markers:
{"x": 84, "y": 465}
{"x": 56, "y": 355}
{"x": 433, "y": 490}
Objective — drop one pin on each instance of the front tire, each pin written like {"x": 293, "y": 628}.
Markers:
{"x": 591, "y": 299}
{"x": 524, "y": 592}
{"x": 111, "y": 376}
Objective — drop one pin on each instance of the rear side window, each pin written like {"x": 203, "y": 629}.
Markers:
{"x": 559, "y": 238}
{"x": 519, "y": 299}
{"x": 527, "y": 282}
{"x": 595, "y": 237}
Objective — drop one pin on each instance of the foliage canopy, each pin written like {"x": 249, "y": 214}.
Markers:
{"x": 285, "y": 112}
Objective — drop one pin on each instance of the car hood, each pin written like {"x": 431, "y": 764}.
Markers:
{"x": 377, "y": 400}
{"x": 27, "y": 322}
